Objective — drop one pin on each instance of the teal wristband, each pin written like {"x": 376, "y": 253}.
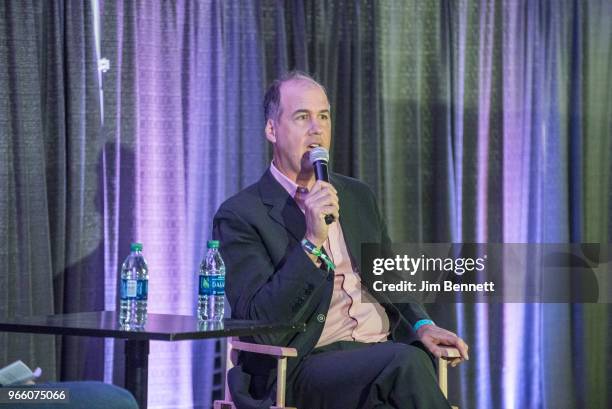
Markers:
{"x": 420, "y": 323}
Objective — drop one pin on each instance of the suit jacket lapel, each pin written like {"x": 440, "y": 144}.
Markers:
{"x": 283, "y": 208}
{"x": 285, "y": 211}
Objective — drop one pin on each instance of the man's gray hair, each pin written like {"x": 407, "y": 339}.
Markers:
{"x": 272, "y": 97}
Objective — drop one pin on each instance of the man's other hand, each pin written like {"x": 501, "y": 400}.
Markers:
{"x": 431, "y": 336}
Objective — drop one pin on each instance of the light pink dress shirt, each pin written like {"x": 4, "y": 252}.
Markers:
{"x": 348, "y": 318}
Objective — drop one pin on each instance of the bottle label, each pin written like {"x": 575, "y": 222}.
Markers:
{"x": 134, "y": 289}
{"x": 142, "y": 289}
{"x": 212, "y": 285}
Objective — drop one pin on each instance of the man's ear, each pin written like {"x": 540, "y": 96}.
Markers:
{"x": 270, "y": 131}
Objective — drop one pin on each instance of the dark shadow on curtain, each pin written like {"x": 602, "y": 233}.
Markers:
{"x": 121, "y": 187}
{"x": 81, "y": 286}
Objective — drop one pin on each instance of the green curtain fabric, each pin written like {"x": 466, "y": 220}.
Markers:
{"x": 49, "y": 137}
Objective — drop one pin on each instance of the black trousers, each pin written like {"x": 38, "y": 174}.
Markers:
{"x": 354, "y": 375}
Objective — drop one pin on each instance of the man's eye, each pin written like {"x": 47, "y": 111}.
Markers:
{"x": 302, "y": 117}
{"x": 325, "y": 117}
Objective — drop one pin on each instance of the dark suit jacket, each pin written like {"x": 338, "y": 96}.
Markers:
{"x": 270, "y": 277}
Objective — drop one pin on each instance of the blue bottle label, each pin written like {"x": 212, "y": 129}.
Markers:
{"x": 142, "y": 290}
{"x": 134, "y": 289}
{"x": 212, "y": 285}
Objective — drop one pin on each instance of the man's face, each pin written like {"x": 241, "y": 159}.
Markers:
{"x": 304, "y": 123}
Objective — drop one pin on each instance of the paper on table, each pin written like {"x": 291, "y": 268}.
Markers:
{"x": 17, "y": 373}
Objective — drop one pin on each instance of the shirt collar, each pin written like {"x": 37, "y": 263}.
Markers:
{"x": 289, "y": 185}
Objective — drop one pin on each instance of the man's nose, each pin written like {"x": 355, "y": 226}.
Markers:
{"x": 315, "y": 127}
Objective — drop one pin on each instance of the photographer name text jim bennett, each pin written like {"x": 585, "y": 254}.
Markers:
{"x": 426, "y": 286}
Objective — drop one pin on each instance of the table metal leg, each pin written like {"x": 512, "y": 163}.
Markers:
{"x": 136, "y": 369}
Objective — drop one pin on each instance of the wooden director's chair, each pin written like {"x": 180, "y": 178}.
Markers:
{"x": 282, "y": 353}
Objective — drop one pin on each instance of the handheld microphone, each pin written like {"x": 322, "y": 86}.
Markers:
{"x": 318, "y": 159}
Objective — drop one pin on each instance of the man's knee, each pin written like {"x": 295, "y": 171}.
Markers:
{"x": 413, "y": 359}
{"x": 409, "y": 379}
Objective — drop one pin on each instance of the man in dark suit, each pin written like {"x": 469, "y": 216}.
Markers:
{"x": 285, "y": 263}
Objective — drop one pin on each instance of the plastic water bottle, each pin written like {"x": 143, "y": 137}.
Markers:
{"x": 211, "y": 289}
{"x": 134, "y": 289}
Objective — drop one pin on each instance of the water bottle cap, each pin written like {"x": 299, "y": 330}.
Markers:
{"x": 136, "y": 247}
{"x": 212, "y": 244}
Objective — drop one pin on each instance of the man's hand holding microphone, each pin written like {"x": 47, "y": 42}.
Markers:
{"x": 321, "y": 205}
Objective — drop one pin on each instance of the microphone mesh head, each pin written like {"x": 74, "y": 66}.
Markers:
{"x": 319, "y": 153}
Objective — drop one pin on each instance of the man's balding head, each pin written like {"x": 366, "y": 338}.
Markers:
{"x": 272, "y": 98}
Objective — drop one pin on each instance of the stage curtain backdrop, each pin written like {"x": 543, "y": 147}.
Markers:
{"x": 50, "y": 232}
{"x": 473, "y": 121}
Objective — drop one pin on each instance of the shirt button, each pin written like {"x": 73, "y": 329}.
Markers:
{"x": 321, "y": 317}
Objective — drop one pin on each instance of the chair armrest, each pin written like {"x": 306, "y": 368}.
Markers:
{"x": 449, "y": 352}
{"x": 264, "y": 349}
